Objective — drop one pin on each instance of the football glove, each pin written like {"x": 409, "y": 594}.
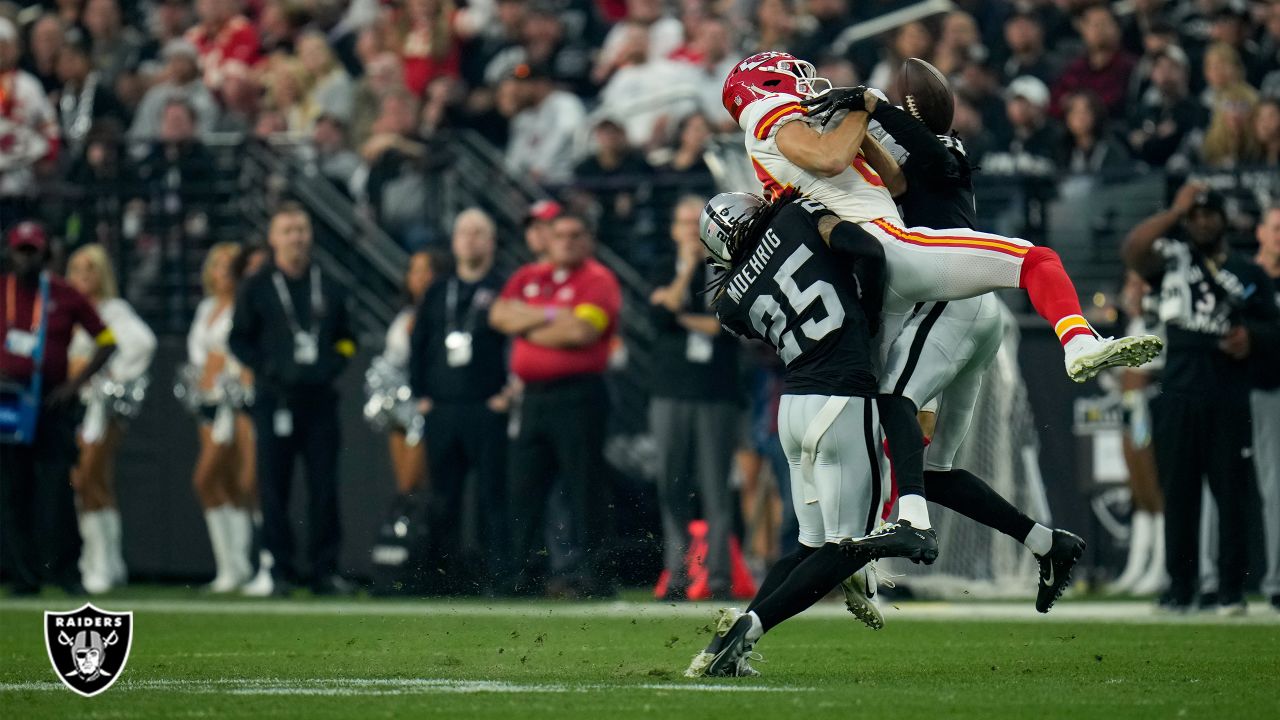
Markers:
{"x": 829, "y": 103}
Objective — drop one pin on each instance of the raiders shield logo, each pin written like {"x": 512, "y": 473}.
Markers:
{"x": 88, "y": 647}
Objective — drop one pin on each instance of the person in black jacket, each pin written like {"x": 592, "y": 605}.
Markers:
{"x": 457, "y": 370}
{"x": 291, "y": 329}
{"x": 1215, "y": 305}
{"x": 694, "y": 411}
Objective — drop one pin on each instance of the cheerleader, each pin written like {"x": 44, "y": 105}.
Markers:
{"x": 224, "y": 473}
{"x": 102, "y": 561}
{"x": 408, "y": 462}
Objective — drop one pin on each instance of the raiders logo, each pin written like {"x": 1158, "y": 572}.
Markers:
{"x": 88, "y": 647}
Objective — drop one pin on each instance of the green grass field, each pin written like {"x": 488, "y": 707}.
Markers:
{"x": 195, "y": 657}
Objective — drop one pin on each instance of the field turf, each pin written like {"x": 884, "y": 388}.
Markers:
{"x": 195, "y": 657}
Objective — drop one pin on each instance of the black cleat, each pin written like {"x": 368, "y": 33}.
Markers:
{"x": 732, "y": 647}
{"x": 1055, "y": 568}
{"x": 897, "y": 539}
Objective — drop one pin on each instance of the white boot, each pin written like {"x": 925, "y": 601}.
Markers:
{"x": 262, "y": 585}
{"x": 115, "y": 549}
{"x": 239, "y": 540}
{"x": 94, "y": 573}
{"x": 1156, "y": 578}
{"x": 1139, "y": 553}
{"x": 216, "y": 519}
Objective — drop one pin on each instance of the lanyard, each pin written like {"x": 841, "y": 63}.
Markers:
{"x": 11, "y": 302}
{"x": 451, "y": 307}
{"x": 286, "y": 300}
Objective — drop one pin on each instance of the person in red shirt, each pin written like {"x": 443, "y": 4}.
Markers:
{"x": 563, "y": 315}
{"x": 1103, "y": 66}
{"x": 37, "y": 508}
{"x": 224, "y": 38}
{"x": 428, "y": 45}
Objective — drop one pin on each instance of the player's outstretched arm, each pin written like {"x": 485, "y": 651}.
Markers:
{"x": 923, "y": 146}
{"x": 824, "y": 154}
{"x": 868, "y": 258}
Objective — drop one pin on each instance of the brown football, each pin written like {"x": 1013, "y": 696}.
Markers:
{"x": 926, "y": 95}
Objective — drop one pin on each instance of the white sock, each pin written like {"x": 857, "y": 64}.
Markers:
{"x": 757, "y": 627}
{"x": 1039, "y": 540}
{"x": 914, "y": 510}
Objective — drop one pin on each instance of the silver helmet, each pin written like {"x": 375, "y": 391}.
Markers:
{"x": 722, "y": 218}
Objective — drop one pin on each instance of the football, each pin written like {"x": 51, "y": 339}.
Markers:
{"x": 926, "y": 95}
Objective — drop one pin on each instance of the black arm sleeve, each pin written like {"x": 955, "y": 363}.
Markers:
{"x": 867, "y": 255}
{"x": 926, "y": 151}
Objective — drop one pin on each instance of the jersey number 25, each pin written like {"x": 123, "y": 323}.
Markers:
{"x": 767, "y": 309}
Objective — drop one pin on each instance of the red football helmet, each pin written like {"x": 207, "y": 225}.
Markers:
{"x": 769, "y": 73}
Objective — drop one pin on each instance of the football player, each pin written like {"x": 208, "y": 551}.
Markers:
{"x": 942, "y": 353}
{"x": 803, "y": 134}
{"x": 810, "y": 285}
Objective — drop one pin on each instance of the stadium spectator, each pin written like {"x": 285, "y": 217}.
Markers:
{"x": 1229, "y": 141}
{"x": 166, "y": 20}
{"x": 41, "y": 58}
{"x": 85, "y": 98}
{"x": 334, "y": 159}
{"x": 545, "y": 40}
{"x": 544, "y": 122}
{"x": 1034, "y": 140}
{"x": 1166, "y": 114}
{"x": 397, "y": 159}
{"x": 114, "y": 47}
{"x": 694, "y": 409}
{"x": 89, "y": 271}
{"x": 774, "y": 28}
{"x": 31, "y": 134}
{"x": 408, "y": 461}
{"x": 223, "y": 38}
{"x": 1148, "y": 16}
{"x": 37, "y": 508}
{"x": 958, "y": 43}
{"x": 181, "y": 81}
{"x": 1155, "y": 44}
{"x": 458, "y": 372}
{"x": 288, "y": 84}
{"x": 1266, "y": 414}
{"x": 1089, "y": 146}
{"x": 563, "y": 315}
{"x": 711, "y": 52}
{"x": 382, "y": 77}
{"x": 241, "y": 99}
{"x": 1103, "y": 66}
{"x": 98, "y": 170}
{"x": 1266, "y": 131}
{"x": 1230, "y": 26}
{"x": 826, "y": 20}
{"x": 1214, "y": 316}
{"x": 911, "y": 39}
{"x": 1024, "y": 38}
{"x": 646, "y": 26}
{"x": 291, "y": 329}
{"x": 537, "y": 227}
{"x": 332, "y": 91}
{"x": 682, "y": 170}
{"x": 649, "y": 94}
{"x": 1223, "y": 72}
{"x": 968, "y": 124}
{"x": 225, "y": 469}
{"x": 614, "y": 184}
{"x": 501, "y": 38}
{"x": 1269, "y": 50}
{"x": 428, "y": 46}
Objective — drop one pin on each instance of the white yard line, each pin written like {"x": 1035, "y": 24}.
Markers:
{"x": 1065, "y": 611}
{"x": 388, "y": 686}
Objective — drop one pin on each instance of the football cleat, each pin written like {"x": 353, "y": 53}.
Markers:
{"x": 896, "y": 539}
{"x": 860, "y": 596}
{"x": 733, "y": 647}
{"x": 725, "y": 618}
{"x": 1087, "y": 356}
{"x": 1055, "y": 568}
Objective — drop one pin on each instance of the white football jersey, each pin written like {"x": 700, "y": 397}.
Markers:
{"x": 857, "y": 194}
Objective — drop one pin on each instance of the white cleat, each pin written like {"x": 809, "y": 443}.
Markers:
{"x": 725, "y": 618}
{"x": 860, "y": 596}
{"x": 1086, "y": 356}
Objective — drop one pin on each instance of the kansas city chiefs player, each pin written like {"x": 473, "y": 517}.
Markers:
{"x": 784, "y": 108}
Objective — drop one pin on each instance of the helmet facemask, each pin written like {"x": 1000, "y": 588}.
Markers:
{"x": 807, "y": 80}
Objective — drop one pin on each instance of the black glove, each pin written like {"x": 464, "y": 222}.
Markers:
{"x": 834, "y": 100}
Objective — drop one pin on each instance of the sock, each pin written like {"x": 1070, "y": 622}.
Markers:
{"x": 779, "y": 572}
{"x": 807, "y": 584}
{"x": 969, "y": 495}
{"x": 1053, "y": 294}
{"x": 757, "y": 628}
{"x": 1039, "y": 540}
{"x": 906, "y": 450}
{"x": 914, "y": 510}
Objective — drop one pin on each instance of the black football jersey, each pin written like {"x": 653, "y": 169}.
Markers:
{"x": 938, "y": 172}
{"x": 800, "y": 296}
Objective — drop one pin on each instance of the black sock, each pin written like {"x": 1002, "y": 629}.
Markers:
{"x": 807, "y": 584}
{"x": 779, "y": 572}
{"x": 906, "y": 442}
{"x": 972, "y": 497}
